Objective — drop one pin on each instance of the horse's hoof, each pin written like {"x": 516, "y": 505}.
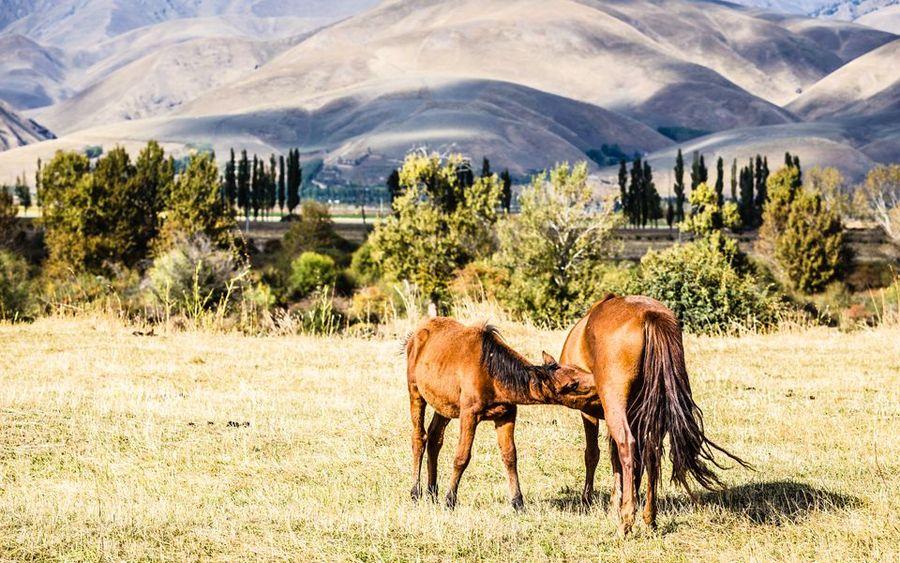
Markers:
{"x": 587, "y": 499}
{"x": 433, "y": 493}
{"x": 415, "y": 493}
{"x": 625, "y": 525}
{"x": 518, "y": 504}
{"x": 451, "y": 501}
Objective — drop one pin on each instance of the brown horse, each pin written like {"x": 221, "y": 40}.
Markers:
{"x": 633, "y": 347}
{"x": 471, "y": 374}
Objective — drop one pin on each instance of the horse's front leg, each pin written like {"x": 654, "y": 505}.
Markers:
{"x": 468, "y": 420}
{"x": 591, "y": 456}
{"x": 506, "y": 430}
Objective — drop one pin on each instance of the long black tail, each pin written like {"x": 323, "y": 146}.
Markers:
{"x": 664, "y": 406}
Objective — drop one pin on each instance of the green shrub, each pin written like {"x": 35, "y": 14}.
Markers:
{"x": 364, "y": 270}
{"x": 554, "y": 247}
{"x": 700, "y": 282}
{"x": 15, "y": 290}
{"x": 311, "y": 271}
{"x": 313, "y": 231}
{"x": 811, "y": 249}
{"x": 195, "y": 276}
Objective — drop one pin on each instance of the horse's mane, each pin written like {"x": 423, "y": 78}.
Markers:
{"x": 506, "y": 365}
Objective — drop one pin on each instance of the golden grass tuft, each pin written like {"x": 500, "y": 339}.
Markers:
{"x": 124, "y": 447}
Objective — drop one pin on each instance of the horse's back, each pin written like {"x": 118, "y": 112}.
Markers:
{"x": 441, "y": 352}
{"x": 609, "y": 339}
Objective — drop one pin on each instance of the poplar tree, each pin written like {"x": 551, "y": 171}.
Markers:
{"x": 635, "y": 192}
{"x": 623, "y": 188}
{"x": 295, "y": 179}
{"x": 679, "y": 187}
{"x": 393, "y": 185}
{"x": 485, "y": 167}
{"x": 695, "y": 171}
{"x": 230, "y": 187}
{"x": 272, "y": 184}
{"x": 734, "y": 181}
{"x": 652, "y": 203}
{"x": 281, "y": 189}
{"x": 243, "y": 184}
{"x": 505, "y": 191}
{"x": 720, "y": 182}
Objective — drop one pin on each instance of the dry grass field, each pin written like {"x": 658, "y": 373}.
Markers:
{"x": 222, "y": 447}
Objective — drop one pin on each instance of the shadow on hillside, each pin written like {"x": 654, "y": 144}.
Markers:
{"x": 776, "y": 502}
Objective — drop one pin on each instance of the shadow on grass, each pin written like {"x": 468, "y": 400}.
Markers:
{"x": 775, "y": 502}
{"x": 569, "y": 500}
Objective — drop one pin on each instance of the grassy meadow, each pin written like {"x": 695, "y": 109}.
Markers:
{"x": 190, "y": 446}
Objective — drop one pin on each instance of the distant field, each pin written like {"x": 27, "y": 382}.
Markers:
{"x": 201, "y": 446}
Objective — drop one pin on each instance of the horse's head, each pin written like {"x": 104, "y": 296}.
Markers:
{"x": 572, "y": 386}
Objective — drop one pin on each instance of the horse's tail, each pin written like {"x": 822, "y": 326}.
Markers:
{"x": 664, "y": 406}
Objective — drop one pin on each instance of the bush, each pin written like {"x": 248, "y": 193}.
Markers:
{"x": 702, "y": 285}
{"x": 553, "y": 248}
{"x": 15, "y": 291}
{"x": 313, "y": 231}
{"x": 371, "y": 305}
{"x": 311, "y": 271}
{"x": 479, "y": 281}
{"x": 194, "y": 276}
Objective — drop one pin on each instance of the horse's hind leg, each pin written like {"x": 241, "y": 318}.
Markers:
{"x": 417, "y": 413}
{"x": 506, "y": 430}
{"x": 620, "y": 432}
{"x": 591, "y": 456}
{"x": 433, "y": 445}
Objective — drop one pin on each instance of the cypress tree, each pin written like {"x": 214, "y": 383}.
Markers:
{"x": 505, "y": 191}
{"x": 679, "y": 187}
{"x": 704, "y": 173}
{"x": 485, "y": 167}
{"x": 670, "y": 214}
{"x": 720, "y": 182}
{"x": 243, "y": 184}
{"x": 623, "y": 188}
{"x": 281, "y": 179}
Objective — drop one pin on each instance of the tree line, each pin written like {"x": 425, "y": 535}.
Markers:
{"x": 256, "y": 188}
{"x": 641, "y": 203}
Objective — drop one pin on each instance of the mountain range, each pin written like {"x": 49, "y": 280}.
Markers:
{"x": 357, "y": 83}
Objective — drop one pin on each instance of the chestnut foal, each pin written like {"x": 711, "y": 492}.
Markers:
{"x": 471, "y": 374}
{"x": 633, "y": 347}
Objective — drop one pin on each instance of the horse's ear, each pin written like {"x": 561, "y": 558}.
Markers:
{"x": 548, "y": 359}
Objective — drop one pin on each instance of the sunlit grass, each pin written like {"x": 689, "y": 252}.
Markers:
{"x": 199, "y": 446}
